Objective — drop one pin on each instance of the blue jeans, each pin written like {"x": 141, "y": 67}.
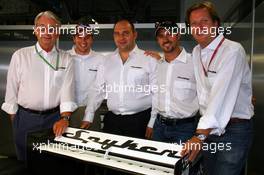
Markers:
{"x": 177, "y": 133}
{"x": 230, "y": 161}
{"x": 25, "y": 122}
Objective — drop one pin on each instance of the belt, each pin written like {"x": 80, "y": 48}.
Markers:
{"x": 49, "y": 111}
{"x": 237, "y": 120}
{"x": 129, "y": 115}
{"x": 170, "y": 121}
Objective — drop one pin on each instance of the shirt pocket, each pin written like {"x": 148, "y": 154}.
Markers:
{"x": 137, "y": 77}
{"x": 92, "y": 72}
{"x": 203, "y": 97}
{"x": 59, "y": 77}
{"x": 183, "y": 90}
{"x": 211, "y": 78}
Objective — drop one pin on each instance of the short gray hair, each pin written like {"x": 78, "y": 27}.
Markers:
{"x": 48, "y": 14}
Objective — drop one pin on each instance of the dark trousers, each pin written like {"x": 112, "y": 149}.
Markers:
{"x": 178, "y": 132}
{"x": 127, "y": 125}
{"x": 25, "y": 122}
{"x": 227, "y": 154}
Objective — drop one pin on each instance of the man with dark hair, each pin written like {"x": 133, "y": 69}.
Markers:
{"x": 86, "y": 65}
{"x": 128, "y": 21}
{"x": 176, "y": 104}
{"x": 127, "y": 75}
{"x": 224, "y": 91}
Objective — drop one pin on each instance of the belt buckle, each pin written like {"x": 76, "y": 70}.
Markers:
{"x": 169, "y": 121}
{"x": 173, "y": 121}
{"x": 163, "y": 120}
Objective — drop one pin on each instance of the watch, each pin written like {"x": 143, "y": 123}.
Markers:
{"x": 66, "y": 117}
{"x": 201, "y": 137}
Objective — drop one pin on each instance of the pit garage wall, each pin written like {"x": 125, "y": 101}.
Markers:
{"x": 243, "y": 33}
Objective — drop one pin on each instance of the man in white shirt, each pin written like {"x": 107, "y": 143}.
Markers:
{"x": 176, "y": 102}
{"x": 127, "y": 76}
{"x": 40, "y": 82}
{"x": 224, "y": 92}
{"x": 86, "y": 62}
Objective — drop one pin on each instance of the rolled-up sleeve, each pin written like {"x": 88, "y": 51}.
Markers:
{"x": 224, "y": 92}
{"x": 67, "y": 93}
{"x": 97, "y": 96}
{"x": 10, "y": 105}
{"x": 154, "y": 88}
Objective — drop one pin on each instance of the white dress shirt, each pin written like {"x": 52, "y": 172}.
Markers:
{"x": 124, "y": 84}
{"x": 85, "y": 67}
{"x": 227, "y": 91}
{"x": 177, "y": 98}
{"x": 33, "y": 84}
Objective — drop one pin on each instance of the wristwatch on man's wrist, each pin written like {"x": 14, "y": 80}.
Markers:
{"x": 66, "y": 117}
{"x": 200, "y": 136}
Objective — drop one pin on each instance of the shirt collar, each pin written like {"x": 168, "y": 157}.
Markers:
{"x": 215, "y": 42}
{"x": 135, "y": 50}
{"x": 182, "y": 57}
{"x": 40, "y": 50}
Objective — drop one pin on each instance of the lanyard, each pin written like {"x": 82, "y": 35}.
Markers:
{"x": 57, "y": 60}
{"x": 212, "y": 57}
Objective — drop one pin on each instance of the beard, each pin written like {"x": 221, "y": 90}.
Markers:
{"x": 168, "y": 48}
